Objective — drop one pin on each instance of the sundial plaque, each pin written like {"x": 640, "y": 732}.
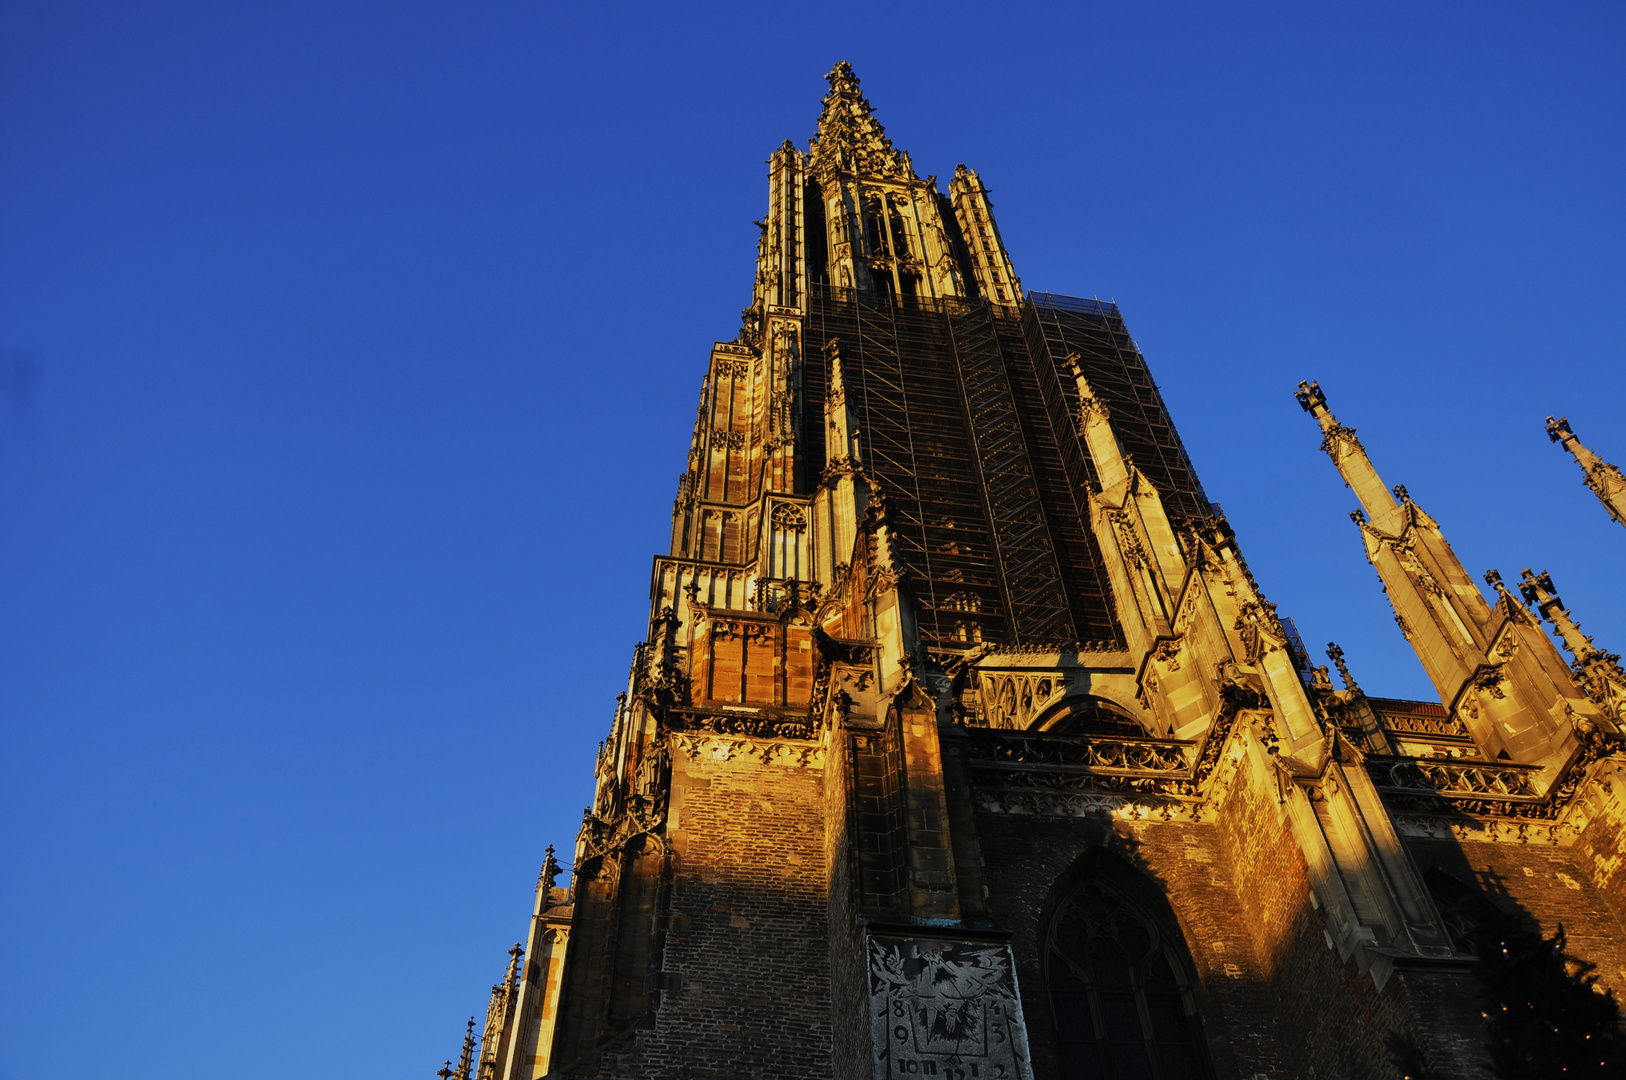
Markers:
{"x": 945, "y": 1008}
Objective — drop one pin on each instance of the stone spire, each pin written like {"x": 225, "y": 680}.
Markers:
{"x": 1095, "y": 422}
{"x": 849, "y": 138}
{"x": 1486, "y": 660}
{"x": 465, "y": 1063}
{"x": 1347, "y": 453}
{"x": 1605, "y": 480}
{"x": 1598, "y": 672}
{"x": 1143, "y": 557}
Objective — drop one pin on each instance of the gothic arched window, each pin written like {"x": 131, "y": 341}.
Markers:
{"x": 1122, "y": 1003}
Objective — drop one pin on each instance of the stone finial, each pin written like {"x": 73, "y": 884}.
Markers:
{"x": 550, "y": 874}
{"x": 1493, "y": 578}
{"x": 515, "y": 955}
{"x": 1540, "y": 593}
{"x": 1536, "y": 588}
{"x": 1336, "y": 655}
{"x": 445, "y": 1071}
{"x": 1558, "y": 430}
{"x": 842, "y": 76}
{"x": 1310, "y": 397}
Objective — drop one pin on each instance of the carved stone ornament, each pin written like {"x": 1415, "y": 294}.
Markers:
{"x": 718, "y": 748}
{"x": 1149, "y": 808}
{"x": 1339, "y": 440}
{"x": 1013, "y": 701}
{"x": 789, "y": 517}
{"x": 1113, "y": 755}
{"x": 945, "y": 1008}
{"x": 1167, "y": 653}
{"x": 755, "y": 724}
{"x": 1424, "y": 725}
{"x": 1490, "y": 678}
{"x": 1145, "y": 779}
{"x": 1129, "y": 539}
{"x": 1450, "y": 778}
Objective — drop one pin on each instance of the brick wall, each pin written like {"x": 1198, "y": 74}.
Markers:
{"x": 745, "y": 974}
{"x": 1029, "y": 859}
{"x": 1551, "y": 884}
{"x": 1276, "y": 999}
{"x": 1330, "y": 1019}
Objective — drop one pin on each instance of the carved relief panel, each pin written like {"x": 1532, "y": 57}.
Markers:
{"x": 947, "y": 1009}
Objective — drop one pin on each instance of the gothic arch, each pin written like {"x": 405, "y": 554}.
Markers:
{"x": 1083, "y": 714}
{"x": 1124, "y": 1002}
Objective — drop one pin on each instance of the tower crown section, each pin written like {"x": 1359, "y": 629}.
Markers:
{"x": 850, "y": 139}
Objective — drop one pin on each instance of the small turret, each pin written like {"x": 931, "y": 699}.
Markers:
{"x": 514, "y": 956}
{"x": 990, "y": 263}
{"x": 841, "y": 433}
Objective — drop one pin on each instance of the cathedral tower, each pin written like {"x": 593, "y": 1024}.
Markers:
{"x": 965, "y": 744}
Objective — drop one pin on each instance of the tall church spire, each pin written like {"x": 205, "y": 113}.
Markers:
{"x": 885, "y": 230}
{"x": 1604, "y": 479}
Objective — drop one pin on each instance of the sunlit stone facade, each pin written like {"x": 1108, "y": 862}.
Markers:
{"x": 964, "y": 743}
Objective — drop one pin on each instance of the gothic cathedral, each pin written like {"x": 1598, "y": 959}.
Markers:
{"x": 965, "y": 744}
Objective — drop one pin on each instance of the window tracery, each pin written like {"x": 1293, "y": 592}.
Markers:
{"x": 1119, "y": 992}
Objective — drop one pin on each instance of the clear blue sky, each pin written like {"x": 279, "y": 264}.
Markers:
{"x": 349, "y": 355}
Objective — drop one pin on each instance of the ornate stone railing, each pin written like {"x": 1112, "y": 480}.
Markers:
{"x": 1452, "y": 779}
{"x": 1422, "y": 725}
{"x": 1017, "y": 751}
